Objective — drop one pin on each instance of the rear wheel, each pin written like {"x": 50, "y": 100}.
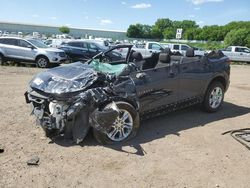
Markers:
{"x": 42, "y": 62}
{"x": 123, "y": 128}
{"x": 214, "y": 97}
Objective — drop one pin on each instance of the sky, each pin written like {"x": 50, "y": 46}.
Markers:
{"x": 119, "y": 14}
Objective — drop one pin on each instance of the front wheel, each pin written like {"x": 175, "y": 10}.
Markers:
{"x": 123, "y": 128}
{"x": 42, "y": 62}
{"x": 214, "y": 97}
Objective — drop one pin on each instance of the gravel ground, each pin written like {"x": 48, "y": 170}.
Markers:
{"x": 181, "y": 149}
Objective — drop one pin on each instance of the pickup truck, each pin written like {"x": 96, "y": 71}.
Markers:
{"x": 150, "y": 47}
{"x": 237, "y": 53}
{"x": 182, "y": 48}
{"x": 112, "y": 97}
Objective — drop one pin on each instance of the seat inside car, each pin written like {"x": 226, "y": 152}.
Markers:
{"x": 164, "y": 60}
{"x": 190, "y": 56}
{"x": 150, "y": 62}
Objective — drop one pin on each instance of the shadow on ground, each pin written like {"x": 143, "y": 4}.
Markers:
{"x": 172, "y": 123}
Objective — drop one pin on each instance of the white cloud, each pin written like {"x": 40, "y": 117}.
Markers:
{"x": 197, "y": 8}
{"x": 53, "y": 18}
{"x": 68, "y": 25}
{"x": 105, "y": 22}
{"x": 141, "y": 6}
{"x": 123, "y": 3}
{"x": 200, "y": 22}
{"x": 35, "y": 16}
{"x": 191, "y": 16}
{"x": 199, "y": 2}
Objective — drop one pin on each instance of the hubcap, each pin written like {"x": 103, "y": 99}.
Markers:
{"x": 122, "y": 127}
{"x": 215, "y": 97}
{"x": 42, "y": 62}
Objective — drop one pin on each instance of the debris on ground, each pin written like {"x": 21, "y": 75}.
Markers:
{"x": 241, "y": 135}
{"x": 1, "y": 149}
{"x": 33, "y": 161}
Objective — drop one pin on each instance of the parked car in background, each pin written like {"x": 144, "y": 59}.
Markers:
{"x": 55, "y": 43}
{"x": 29, "y": 50}
{"x": 83, "y": 50}
{"x": 237, "y": 53}
{"x": 182, "y": 48}
{"x": 149, "y": 49}
{"x": 104, "y": 43}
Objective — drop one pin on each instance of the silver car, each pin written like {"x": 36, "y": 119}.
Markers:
{"x": 29, "y": 50}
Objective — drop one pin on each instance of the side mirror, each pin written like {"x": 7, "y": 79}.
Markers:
{"x": 140, "y": 75}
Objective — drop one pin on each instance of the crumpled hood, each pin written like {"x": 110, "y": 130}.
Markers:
{"x": 65, "y": 79}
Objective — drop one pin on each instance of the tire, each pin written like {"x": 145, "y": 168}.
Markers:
{"x": 214, "y": 97}
{"x": 133, "y": 115}
{"x": 49, "y": 132}
{"x": 1, "y": 59}
{"x": 42, "y": 62}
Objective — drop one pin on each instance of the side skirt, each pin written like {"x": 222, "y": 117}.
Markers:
{"x": 171, "y": 107}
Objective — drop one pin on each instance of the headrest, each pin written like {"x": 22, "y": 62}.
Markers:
{"x": 167, "y": 51}
{"x": 136, "y": 56}
{"x": 190, "y": 52}
{"x": 164, "y": 58}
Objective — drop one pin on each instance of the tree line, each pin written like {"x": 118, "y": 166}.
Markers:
{"x": 233, "y": 33}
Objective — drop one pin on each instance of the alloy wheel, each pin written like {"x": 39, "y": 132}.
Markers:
{"x": 122, "y": 127}
{"x": 215, "y": 97}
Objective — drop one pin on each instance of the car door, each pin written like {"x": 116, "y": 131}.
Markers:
{"x": 242, "y": 53}
{"x": 11, "y": 48}
{"x": 157, "y": 87}
{"x": 26, "y": 50}
{"x": 76, "y": 50}
{"x": 193, "y": 75}
{"x": 93, "y": 49}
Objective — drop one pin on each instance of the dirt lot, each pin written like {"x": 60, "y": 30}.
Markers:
{"x": 181, "y": 149}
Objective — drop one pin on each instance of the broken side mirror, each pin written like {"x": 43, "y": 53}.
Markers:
{"x": 141, "y": 75}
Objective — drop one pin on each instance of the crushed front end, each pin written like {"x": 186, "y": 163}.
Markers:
{"x": 68, "y": 100}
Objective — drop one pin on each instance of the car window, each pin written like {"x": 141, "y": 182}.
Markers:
{"x": 229, "y": 49}
{"x": 2, "y": 41}
{"x": 246, "y": 50}
{"x": 176, "y": 47}
{"x": 156, "y": 47}
{"x": 239, "y": 49}
{"x": 75, "y": 44}
{"x": 184, "y": 47}
{"x": 10, "y": 42}
{"x": 92, "y": 46}
{"x": 24, "y": 44}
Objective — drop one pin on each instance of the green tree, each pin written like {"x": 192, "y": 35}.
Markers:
{"x": 238, "y": 37}
{"x": 64, "y": 29}
{"x": 169, "y": 33}
{"x": 162, "y": 24}
{"x": 135, "y": 31}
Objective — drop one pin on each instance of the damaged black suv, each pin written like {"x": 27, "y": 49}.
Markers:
{"x": 112, "y": 97}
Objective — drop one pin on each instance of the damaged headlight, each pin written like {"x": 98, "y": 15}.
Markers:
{"x": 57, "y": 108}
